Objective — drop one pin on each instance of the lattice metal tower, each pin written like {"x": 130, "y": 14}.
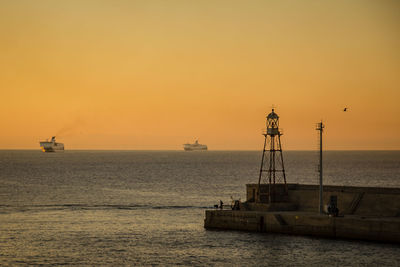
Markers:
{"x": 272, "y": 180}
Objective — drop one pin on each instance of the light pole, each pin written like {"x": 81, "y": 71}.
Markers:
{"x": 320, "y": 128}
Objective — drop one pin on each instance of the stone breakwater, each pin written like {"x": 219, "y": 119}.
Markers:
{"x": 366, "y": 213}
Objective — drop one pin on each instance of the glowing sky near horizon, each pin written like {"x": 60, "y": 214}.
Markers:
{"x": 157, "y": 74}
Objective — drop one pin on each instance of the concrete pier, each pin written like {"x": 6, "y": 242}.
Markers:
{"x": 364, "y": 213}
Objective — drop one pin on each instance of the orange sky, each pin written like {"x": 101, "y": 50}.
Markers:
{"x": 157, "y": 74}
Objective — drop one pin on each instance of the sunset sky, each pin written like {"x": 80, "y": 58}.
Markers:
{"x": 157, "y": 74}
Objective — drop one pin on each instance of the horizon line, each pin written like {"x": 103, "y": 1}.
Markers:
{"x": 238, "y": 150}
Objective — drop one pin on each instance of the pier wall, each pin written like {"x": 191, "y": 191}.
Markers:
{"x": 303, "y": 223}
{"x": 363, "y": 201}
{"x": 364, "y": 213}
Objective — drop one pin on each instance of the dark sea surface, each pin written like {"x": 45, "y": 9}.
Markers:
{"x": 147, "y": 208}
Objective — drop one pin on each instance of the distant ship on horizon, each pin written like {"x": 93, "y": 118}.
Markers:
{"x": 194, "y": 147}
{"x": 51, "y": 146}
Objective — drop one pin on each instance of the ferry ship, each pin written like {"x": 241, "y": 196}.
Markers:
{"x": 195, "y": 146}
{"x": 51, "y": 146}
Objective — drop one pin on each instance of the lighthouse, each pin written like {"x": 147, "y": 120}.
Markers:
{"x": 272, "y": 185}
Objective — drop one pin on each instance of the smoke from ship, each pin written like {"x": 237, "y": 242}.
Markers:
{"x": 71, "y": 129}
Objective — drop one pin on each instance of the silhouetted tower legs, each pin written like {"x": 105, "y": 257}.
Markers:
{"x": 272, "y": 170}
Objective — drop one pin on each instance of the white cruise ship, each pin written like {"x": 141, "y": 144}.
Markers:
{"x": 195, "y": 146}
{"x": 51, "y": 146}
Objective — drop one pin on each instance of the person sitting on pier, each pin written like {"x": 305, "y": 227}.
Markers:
{"x": 221, "y": 204}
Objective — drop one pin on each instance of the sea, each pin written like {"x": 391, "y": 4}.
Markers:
{"x": 147, "y": 208}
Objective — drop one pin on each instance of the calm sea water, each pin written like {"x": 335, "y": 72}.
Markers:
{"x": 147, "y": 208}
